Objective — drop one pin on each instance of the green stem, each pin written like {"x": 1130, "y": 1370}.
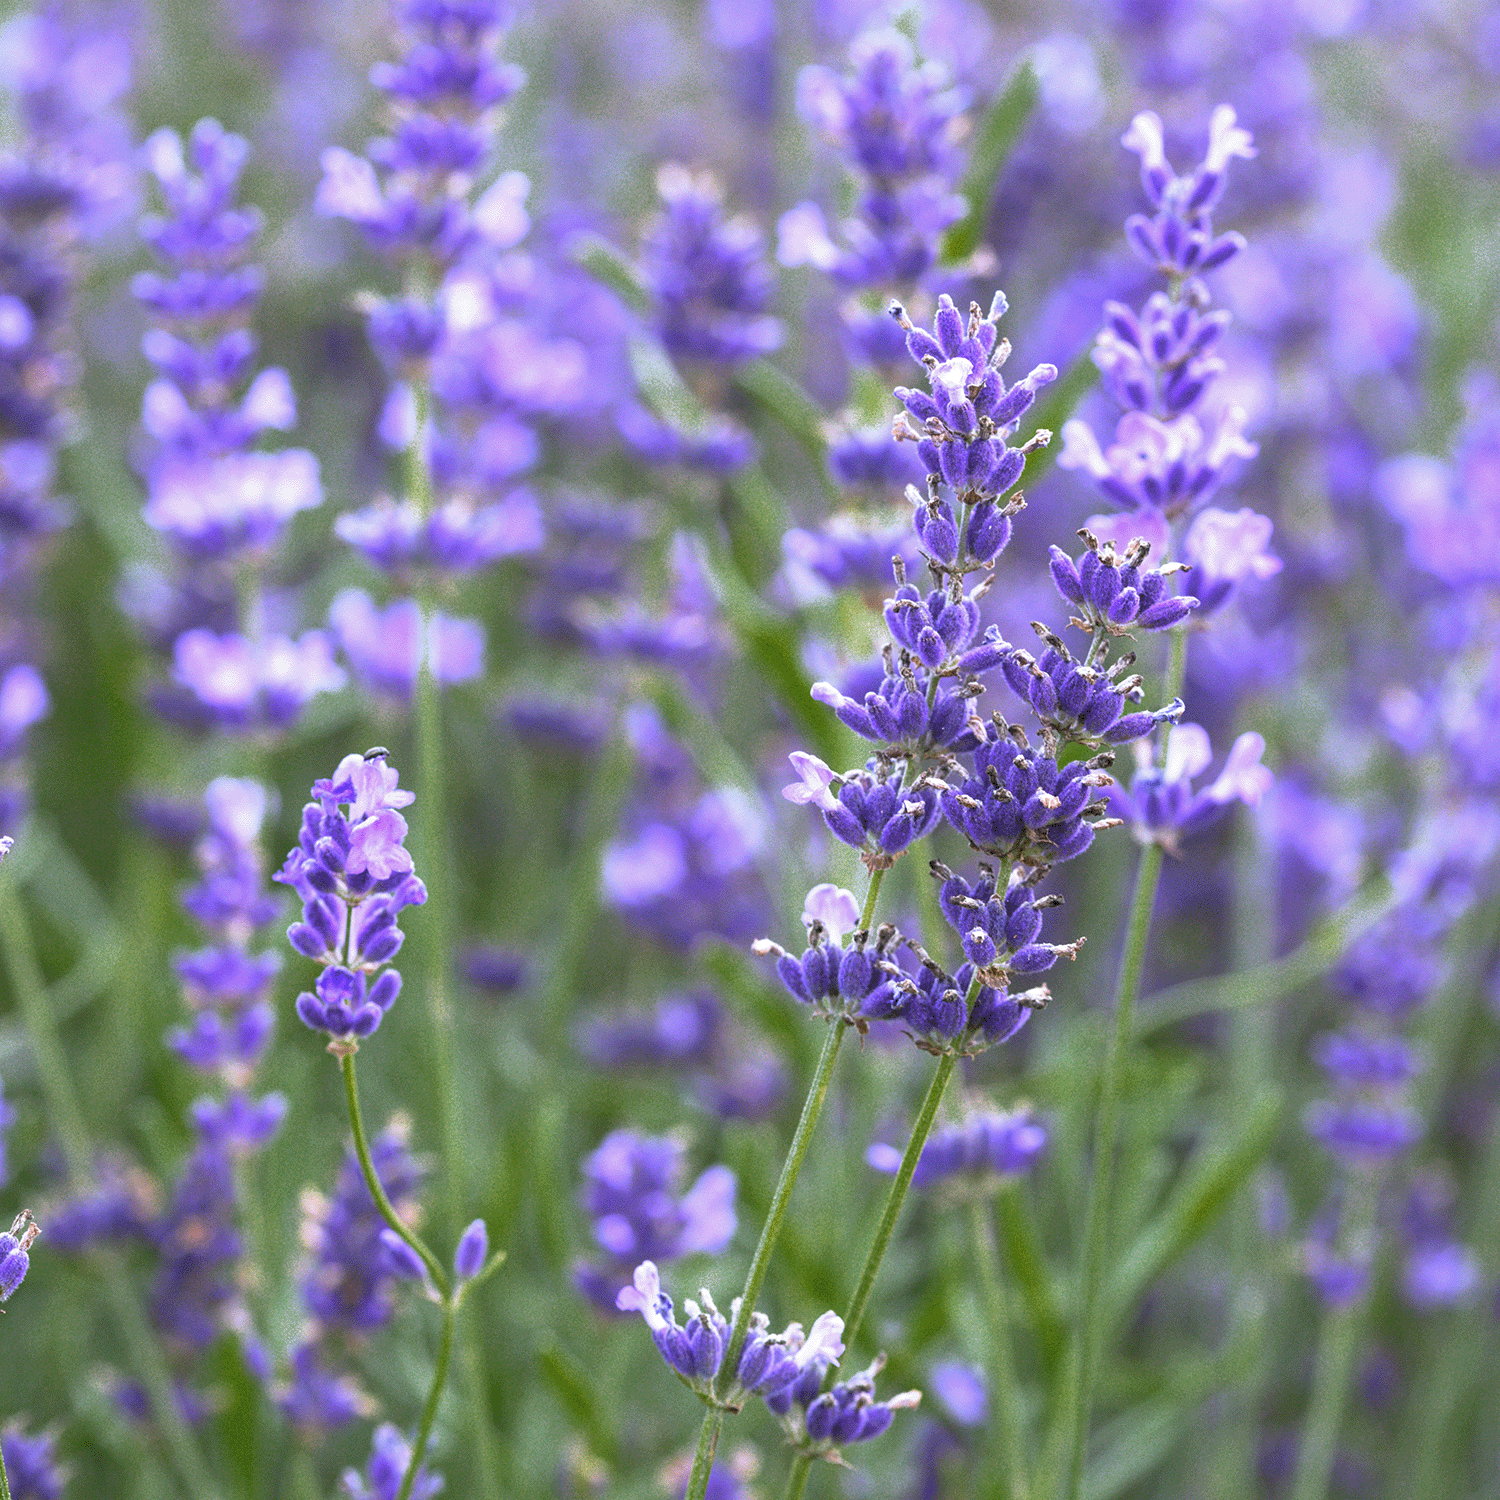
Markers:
{"x": 4, "y": 1479}
{"x": 436, "y": 947}
{"x": 802, "y": 1465}
{"x": 377, "y": 1189}
{"x": 67, "y": 1119}
{"x": 817, "y": 1093}
{"x": 1088, "y": 1330}
{"x": 1338, "y": 1342}
{"x": 896, "y": 1197}
{"x": 434, "y": 1395}
{"x": 877, "y": 878}
{"x": 703, "y": 1454}
{"x": 780, "y": 1200}
{"x": 1002, "y": 1364}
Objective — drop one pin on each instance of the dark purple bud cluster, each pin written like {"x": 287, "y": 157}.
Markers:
{"x": 985, "y": 1151}
{"x": 1020, "y": 806}
{"x": 998, "y": 929}
{"x": 1115, "y": 593}
{"x": 1081, "y": 703}
{"x": 707, "y": 275}
{"x": 768, "y": 1363}
{"x": 881, "y": 816}
{"x": 839, "y": 973}
{"x": 819, "y": 1424}
{"x": 351, "y": 868}
{"x": 961, "y": 427}
{"x": 935, "y": 628}
{"x": 958, "y": 1012}
{"x": 897, "y": 715}
{"x": 15, "y": 1260}
{"x": 1180, "y": 240}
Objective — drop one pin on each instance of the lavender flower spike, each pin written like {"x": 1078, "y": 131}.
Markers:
{"x": 354, "y": 874}
{"x": 769, "y": 1363}
{"x": 14, "y": 1260}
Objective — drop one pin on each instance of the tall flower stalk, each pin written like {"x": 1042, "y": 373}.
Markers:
{"x": 354, "y": 875}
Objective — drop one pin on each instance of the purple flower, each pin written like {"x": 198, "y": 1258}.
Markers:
{"x": 348, "y": 1282}
{"x": 707, "y": 274}
{"x": 1224, "y": 549}
{"x": 633, "y": 1192}
{"x": 14, "y": 1261}
{"x": 1162, "y": 803}
{"x": 457, "y": 537}
{"x": 680, "y": 1029}
{"x": 209, "y": 508}
{"x": 354, "y": 875}
{"x": 897, "y": 124}
{"x": 986, "y": 1150}
{"x": 245, "y": 685}
{"x": 383, "y": 646}
{"x": 390, "y": 1457}
{"x": 769, "y": 1362}
{"x": 31, "y": 1466}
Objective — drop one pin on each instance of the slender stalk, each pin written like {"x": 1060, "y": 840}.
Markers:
{"x": 896, "y": 1197}
{"x": 377, "y": 1189}
{"x": 867, "y": 915}
{"x": 1338, "y": 1342}
{"x": 436, "y": 947}
{"x": 802, "y": 1465}
{"x": 780, "y": 1200}
{"x": 1002, "y": 1364}
{"x": 4, "y": 1479}
{"x": 434, "y": 1394}
{"x": 1088, "y": 1336}
{"x": 703, "y": 1454}
{"x": 817, "y": 1093}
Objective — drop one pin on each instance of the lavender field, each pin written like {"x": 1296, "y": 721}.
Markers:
{"x": 750, "y": 750}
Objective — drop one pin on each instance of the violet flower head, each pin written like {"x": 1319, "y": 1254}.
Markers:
{"x": 390, "y": 1457}
{"x": 384, "y": 645}
{"x": 896, "y": 123}
{"x": 707, "y": 274}
{"x": 409, "y": 194}
{"x": 1224, "y": 549}
{"x": 1163, "y": 806}
{"x": 15, "y": 1260}
{"x": 207, "y": 493}
{"x": 984, "y": 1152}
{"x": 818, "y": 1425}
{"x": 1179, "y": 240}
{"x": 349, "y": 1280}
{"x": 1173, "y": 447}
{"x": 352, "y": 871}
{"x": 31, "y": 1465}
{"x": 633, "y": 1192}
{"x": 247, "y": 686}
{"x": 770, "y": 1362}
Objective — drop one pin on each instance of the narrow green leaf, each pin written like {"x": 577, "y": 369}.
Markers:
{"x": 774, "y": 390}
{"x": 1217, "y": 1172}
{"x": 605, "y": 263}
{"x": 993, "y": 145}
{"x": 663, "y": 389}
{"x": 1269, "y": 982}
{"x": 575, "y": 1386}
